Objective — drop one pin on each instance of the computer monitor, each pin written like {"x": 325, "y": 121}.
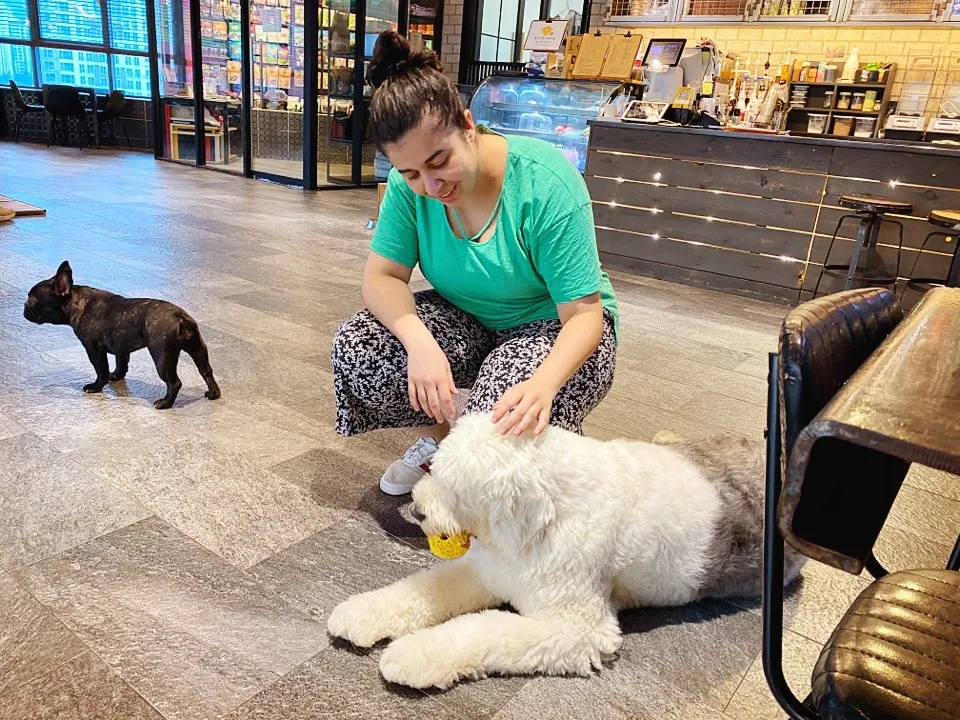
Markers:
{"x": 666, "y": 52}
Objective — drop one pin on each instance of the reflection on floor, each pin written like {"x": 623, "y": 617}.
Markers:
{"x": 181, "y": 564}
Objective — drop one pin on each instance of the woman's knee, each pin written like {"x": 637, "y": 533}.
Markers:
{"x": 357, "y": 336}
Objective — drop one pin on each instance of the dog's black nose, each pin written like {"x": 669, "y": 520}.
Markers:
{"x": 417, "y": 514}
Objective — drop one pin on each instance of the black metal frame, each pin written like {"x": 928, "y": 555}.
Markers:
{"x": 773, "y": 559}
{"x": 37, "y": 42}
{"x": 772, "y": 602}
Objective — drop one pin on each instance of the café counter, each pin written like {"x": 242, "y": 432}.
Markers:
{"x": 753, "y": 214}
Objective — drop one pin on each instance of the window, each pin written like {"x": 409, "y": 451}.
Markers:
{"x": 891, "y": 10}
{"x": 71, "y": 21}
{"x": 809, "y": 9}
{"x": 652, "y": 9}
{"x": 84, "y": 68}
{"x": 131, "y": 73}
{"x": 498, "y": 31}
{"x": 16, "y": 63}
{"x": 73, "y": 44}
{"x": 14, "y": 20}
{"x": 733, "y": 9}
{"x": 128, "y": 24}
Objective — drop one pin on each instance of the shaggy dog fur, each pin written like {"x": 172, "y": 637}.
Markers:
{"x": 568, "y": 530}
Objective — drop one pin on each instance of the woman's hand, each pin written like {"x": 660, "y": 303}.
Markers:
{"x": 430, "y": 382}
{"x": 526, "y": 405}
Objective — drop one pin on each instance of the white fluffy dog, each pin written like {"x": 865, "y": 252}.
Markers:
{"x": 568, "y": 530}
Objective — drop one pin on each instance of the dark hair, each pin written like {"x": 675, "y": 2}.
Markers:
{"x": 408, "y": 86}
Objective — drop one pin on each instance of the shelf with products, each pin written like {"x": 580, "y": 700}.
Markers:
{"x": 220, "y": 53}
{"x": 824, "y": 103}
{"x": 276, "y": 42}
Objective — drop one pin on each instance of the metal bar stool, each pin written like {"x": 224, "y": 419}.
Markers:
{"x": 870, "y": 211}
{"x": 950, "y": 220}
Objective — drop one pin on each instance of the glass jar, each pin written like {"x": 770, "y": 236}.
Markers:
{"x": 828, "y": 98}
{"x": 857, "y": 103}
{"x": 843, "y": 102}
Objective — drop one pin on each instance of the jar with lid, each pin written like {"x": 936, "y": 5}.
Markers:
{"x": 857, "y": 103}
{"x": 828, "y": 98}
{"x": 843, "y": 102}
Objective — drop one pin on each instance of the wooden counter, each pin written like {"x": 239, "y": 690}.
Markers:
{"x": 753, "y": 214}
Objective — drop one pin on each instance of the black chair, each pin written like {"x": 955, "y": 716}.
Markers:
{"x": 63, "y": 102}
{"x": 949, "y": 220}
{"x": 112, "y": 112}
{"x": 871, "y": 213}
{"x": 893, "y": 655}
{"x": 21, "y": 109}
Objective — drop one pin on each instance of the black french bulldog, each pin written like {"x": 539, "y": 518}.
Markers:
{"x": 108, "y": 323}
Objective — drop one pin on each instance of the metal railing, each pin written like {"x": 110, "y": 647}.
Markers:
{"x": 477, "y": 71}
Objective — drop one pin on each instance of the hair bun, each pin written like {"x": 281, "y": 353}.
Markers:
{"x": 392, "y": 57}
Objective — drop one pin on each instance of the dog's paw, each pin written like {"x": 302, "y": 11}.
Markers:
{"x": 667, "y": 437}
{"x": 212, "y": 394}
{"x": 116, "y": 377}
{"x": 93, "y": 388}
{"x": 361, "y": 620}
{"x": 420, "y": 661}
{"x": 163, "y": 404}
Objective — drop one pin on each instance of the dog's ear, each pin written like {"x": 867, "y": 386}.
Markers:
{"x": 519, "y": 506}
{"x": 63, "y": 280}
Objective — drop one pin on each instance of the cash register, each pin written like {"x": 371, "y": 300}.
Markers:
{"x": 662, "y": 80}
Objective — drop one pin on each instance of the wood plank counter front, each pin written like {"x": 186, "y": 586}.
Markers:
{"x": 753, "y": 214}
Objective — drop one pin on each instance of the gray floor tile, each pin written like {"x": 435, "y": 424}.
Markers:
{"x": 753, "y": 700}
{"x": 50, "y": 503}
{"x": 898, "y": 549}
{"x": 82, "y": 689}
{"x": 8, "y": 428}
{"x": 192, "y": 634}
{"x": 814, "y": 605}
{"x": 32, "y": 640}
{"x": 932, "y": 517}
{"x": 349, "y": 557}
{"x": 346, "y": 476}
{"x": 934, "y": 481}
{"x": 705, "y": 648}
{"x": 339, "y": 684}
{"x": 609, "y": 695}
{"x": 240, "y": 510}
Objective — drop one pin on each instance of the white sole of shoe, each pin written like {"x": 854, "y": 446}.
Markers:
{"x": 395, "y": 489}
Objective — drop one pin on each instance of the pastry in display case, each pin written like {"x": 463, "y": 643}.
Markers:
{"x": 552, "y": 109}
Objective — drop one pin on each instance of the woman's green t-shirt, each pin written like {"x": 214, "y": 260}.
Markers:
{"x": 543, "y": 251}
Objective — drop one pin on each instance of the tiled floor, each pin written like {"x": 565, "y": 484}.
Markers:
{"x": 181, "y": 564}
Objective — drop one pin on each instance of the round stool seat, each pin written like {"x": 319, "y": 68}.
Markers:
{"x": 944, "y": 218}
{"x": 870, "y": 204}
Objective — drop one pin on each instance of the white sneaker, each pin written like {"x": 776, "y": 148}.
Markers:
{"x": 406, "y": 472}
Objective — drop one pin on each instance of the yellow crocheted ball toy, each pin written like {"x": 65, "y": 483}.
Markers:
{"x": 449, "y": 547}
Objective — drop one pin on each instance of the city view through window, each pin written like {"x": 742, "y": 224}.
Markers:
{"x": 69, "y": 47}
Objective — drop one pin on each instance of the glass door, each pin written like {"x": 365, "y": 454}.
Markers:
{"x": 424, "y": 24}
{"x": 221, "y": 51}
{"x": 175, "y": 114}
{"x": 277, "y": 71}
{"x": 349, "y": 31}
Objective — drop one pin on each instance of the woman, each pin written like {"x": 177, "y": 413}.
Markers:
{"x": 502, "y": 228}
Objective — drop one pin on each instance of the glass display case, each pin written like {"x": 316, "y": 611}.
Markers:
{"x": 551, "y": 109}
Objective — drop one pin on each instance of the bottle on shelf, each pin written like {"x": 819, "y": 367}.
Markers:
{"x": 851, "y": 66}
